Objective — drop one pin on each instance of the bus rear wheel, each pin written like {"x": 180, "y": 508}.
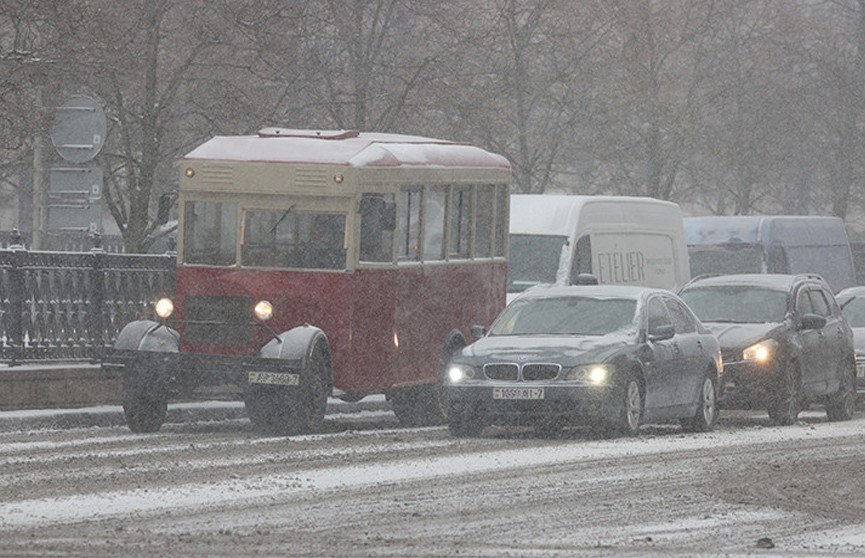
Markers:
{"x": 284, "y": 411}
{"x": 418, "y": 405}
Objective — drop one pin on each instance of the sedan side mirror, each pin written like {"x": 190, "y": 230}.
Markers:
{"x": 812, "y": 321}
{"x": 478, "y": 331}
{"x": 661, "y": 333}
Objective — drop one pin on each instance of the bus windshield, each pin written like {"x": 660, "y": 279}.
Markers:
{"x": 533, "y": 260}
{"x": 287, "y": 238}
{"x": 271, "y": 238}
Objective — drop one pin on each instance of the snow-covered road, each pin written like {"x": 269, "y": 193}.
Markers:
{"x": 367, "y": 488}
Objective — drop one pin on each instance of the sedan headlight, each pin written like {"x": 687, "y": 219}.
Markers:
{"x": 597, "y": 374}
{"x": 761, "y": 352}
{"x": 458, "y": 373}
{"x": 164, "y": 307}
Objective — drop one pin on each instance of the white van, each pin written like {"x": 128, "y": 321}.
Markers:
{"x": 620, "y": 240}
{"x": 730, "y": 244}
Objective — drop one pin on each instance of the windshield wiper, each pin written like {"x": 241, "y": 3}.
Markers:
{"x": 281, "y": 219}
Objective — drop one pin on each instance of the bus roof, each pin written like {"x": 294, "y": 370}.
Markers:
{"x": 347, "y": 148}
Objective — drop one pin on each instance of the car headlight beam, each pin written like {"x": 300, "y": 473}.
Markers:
{"x": 761, "y": 352}
{"x": 595, "y": 374}
{"x": 458, "y": 373}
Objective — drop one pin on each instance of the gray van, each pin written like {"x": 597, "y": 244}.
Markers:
{"x": 771, "y": 244}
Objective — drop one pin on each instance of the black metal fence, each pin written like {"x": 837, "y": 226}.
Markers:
{"x": 71, "y": 305}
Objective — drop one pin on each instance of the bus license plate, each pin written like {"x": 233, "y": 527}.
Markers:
{"x": 274, "y": 378}
{"x": 518, "y": 393}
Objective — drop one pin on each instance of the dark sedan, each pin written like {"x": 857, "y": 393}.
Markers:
{"x": 610, "y": 357}
{"x": 784, "y": 340}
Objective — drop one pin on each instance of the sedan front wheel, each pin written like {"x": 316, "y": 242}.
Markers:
{"x": 630, "y": 412}
{"x": 707, "y": 408}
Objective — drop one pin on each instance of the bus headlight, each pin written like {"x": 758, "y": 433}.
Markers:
{"x": 596, "y": 374}
{"x": 263, "y": 310}
{"x": 761, "y": 352}
{"x": 164, "y": 307}
{"x": 460, "y": 372}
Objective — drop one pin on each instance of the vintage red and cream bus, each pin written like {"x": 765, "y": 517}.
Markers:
{"x": 314, "y": 264}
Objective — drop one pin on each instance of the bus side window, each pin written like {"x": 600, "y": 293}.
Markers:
{"x": 434, "y": 223}
{"x": 502, "y": 221}
{"x": 461, "y": 222}
{"x": 377, "y": 223}
{"x": 409, "y": 223}
{"x": 484, "y": 238}
{"x": 582, "y": 262}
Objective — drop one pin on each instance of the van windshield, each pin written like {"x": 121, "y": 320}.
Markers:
{"x": 532, "y": 260}
{"x": 725, "y": 259}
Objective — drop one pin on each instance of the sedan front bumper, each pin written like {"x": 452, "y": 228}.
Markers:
{"x": 527, "y": 403}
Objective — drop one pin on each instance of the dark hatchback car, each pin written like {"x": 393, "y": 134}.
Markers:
{"x": 784, "y": 341}
{"x": 610, "y": 357}
{"x": 852, "y": 303}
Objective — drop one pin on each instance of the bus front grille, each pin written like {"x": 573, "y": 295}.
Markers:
{"x": 217, "y": 320}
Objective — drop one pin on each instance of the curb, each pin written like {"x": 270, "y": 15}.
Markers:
{"x": 178, "y": 413}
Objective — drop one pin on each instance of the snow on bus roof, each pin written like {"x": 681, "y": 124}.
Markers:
{"x": 345, "y": 147}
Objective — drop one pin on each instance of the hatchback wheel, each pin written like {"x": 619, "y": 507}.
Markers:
{"x": 842, "y": 403}
{"x": 784, "y": 403}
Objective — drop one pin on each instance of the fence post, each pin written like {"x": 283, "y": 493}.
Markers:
{"x": 97, "y": 296}
{"x": 17, "y": 294}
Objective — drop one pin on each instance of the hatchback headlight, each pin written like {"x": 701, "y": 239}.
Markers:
{"x": 596, "y": 374}
{"x": 761, "y": 352}
{"x": 164, "y": 307}
{"x": 458, "y": 373}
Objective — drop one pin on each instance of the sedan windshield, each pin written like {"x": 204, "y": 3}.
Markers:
{"x": 566, "y": 316}
{"x": 737, "y": 304}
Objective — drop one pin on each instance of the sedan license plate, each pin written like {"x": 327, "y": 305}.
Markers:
{"x": 518, "y": 393}
{"x": 274, "y": 378}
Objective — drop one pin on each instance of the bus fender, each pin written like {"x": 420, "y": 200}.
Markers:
{"x": 294, "y": 344}
{"x": 147, "y": 335}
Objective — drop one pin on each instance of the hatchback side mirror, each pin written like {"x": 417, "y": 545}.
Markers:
{"x": 812, "y": 321}
{"x": 661, "y": 333}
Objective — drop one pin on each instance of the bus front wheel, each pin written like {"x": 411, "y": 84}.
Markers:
{"x": 288, "y": 410}
{"x": 145, "y": 405}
